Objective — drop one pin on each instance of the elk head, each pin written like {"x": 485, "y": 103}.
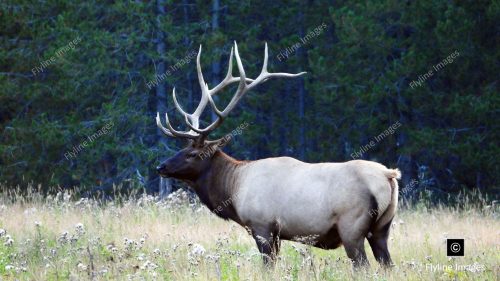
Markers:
{"x": 189, "y": 163}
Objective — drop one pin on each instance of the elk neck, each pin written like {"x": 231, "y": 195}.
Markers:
{"x": 217, "y": 186}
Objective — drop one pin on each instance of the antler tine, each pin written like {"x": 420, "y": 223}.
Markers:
{"x": 165, "y": 130}
{"x": 266, "y": 57}
{"x": 171, "y": 132}
{"x": 265, "y": 75}
{"x": 203, "y": 101}
{"x": 177, "y": 105}
{"x": 240, "y": 65}
{"x": 192, "y": 122}
{"x": 229, "y": 79}
{"x": 198, "y": 69}
{"x": 229, "y": 76}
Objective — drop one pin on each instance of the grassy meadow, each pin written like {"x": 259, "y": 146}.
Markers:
{"x": 62, "y": 238}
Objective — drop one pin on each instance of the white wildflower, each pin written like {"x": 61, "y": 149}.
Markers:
{"x": 80, "y": 229}
{"x": 141, "y": 256}
{"x": 81, "y": 267}
{"x": 63, "y": 238}
{"x": 66, "y": 196}
{"x": 148, "y": 265}
{"x": 29, "y": 211}
{"x": 103, "y": 271}
{"x": 9, "y": 241}
{"x": 128, "y": 242}
{"x": 197, "y": 250}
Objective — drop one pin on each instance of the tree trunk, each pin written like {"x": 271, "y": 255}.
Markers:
{"x": 185, "y": 10}
{"x": 165, "y": 188}
{"x": 405, "y": 162}
{"x": 302, "y": 92}
{"x": 215, "y": 62}
{"x": 161, "y": 98}
{"x": 283, "y": 127}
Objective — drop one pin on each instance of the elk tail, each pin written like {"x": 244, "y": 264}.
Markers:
{"x": 393, "y": 175}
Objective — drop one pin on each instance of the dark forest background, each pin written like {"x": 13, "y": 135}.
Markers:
{"x": 360, "y": 66}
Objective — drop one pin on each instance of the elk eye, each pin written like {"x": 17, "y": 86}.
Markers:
{"x": 192, "y": 154}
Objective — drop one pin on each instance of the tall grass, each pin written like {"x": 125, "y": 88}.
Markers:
{"x": 59, "y": 236}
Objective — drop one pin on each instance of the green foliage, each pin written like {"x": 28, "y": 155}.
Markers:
{"x": 6, "y": 253}
{"x": 358, "y": 84}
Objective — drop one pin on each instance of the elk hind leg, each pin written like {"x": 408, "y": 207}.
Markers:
{"x": 352, "y": 233}
{"x": 378, "y": 243}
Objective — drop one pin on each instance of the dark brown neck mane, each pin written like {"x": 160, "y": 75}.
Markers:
{"x": 217, "y": 187}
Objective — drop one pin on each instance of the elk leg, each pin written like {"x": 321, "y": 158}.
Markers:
{"x": 355, "y": 250}
{"x": 353, "y": 235}
{"x": 276, "y": 245}
{"x": 267, "y": 244}
{"x": 378, "y": 243}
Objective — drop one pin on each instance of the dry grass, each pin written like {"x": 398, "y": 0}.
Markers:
{"x": 146, "y": 240}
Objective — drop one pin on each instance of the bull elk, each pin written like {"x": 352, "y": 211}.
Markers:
{"x": 281, "y": 198}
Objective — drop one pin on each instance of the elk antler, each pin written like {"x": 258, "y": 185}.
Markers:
{"x": 192, "y": 120}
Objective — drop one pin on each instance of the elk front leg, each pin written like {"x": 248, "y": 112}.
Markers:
{"x": 268, "y": 245}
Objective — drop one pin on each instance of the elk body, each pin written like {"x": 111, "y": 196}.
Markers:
{"x": 323, "y": 204}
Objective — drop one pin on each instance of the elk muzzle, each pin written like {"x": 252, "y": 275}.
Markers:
{"x": 162, "y": 170}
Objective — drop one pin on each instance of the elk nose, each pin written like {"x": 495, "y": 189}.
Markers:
{"x": 159, "y": 168}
